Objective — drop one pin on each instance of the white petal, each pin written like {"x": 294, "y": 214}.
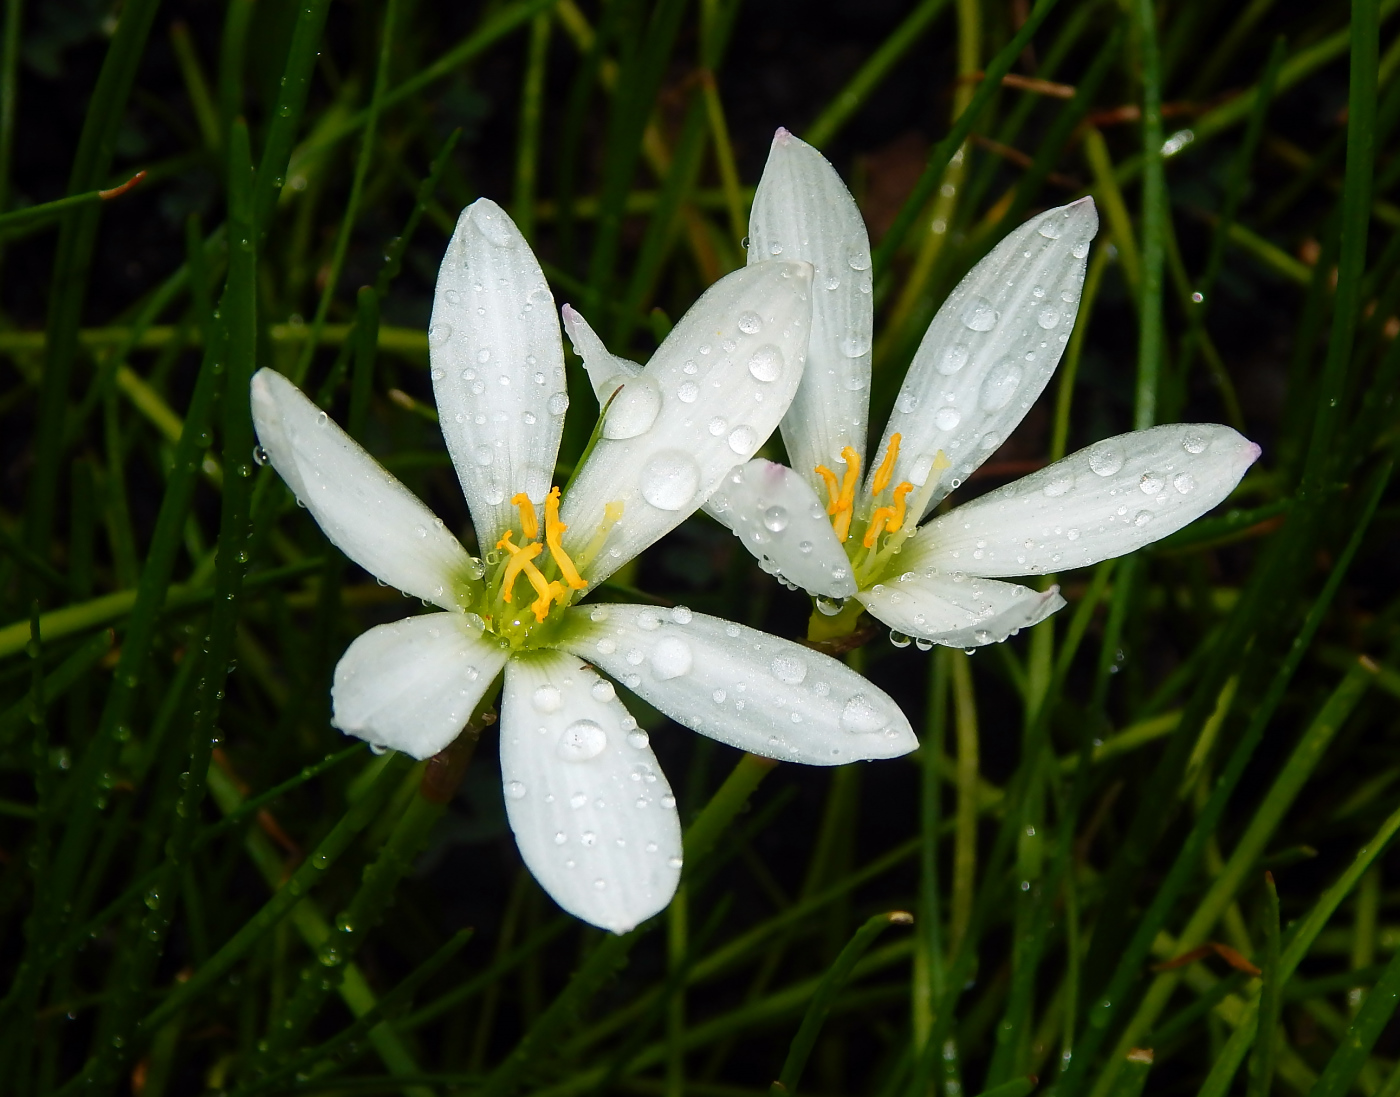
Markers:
{"x": 498, "y": 367}
{"x": 412, "y": 685}
{"x": 591, "y": 810}
{"x": 710, "y": 396}
{"x": 1114, "y": 497}
{"x": 741, "y": 686}
{"x": 606, "y": 371}
{"x": 958, "y": 611}
{"x": 991, "y": 349}
{"x": 778, "y": 517}
{"x": 360, "y": 507}
{"x": 802, "y": 210}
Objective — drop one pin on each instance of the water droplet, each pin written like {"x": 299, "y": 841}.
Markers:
{"x": 606, "y": 646}
{"x": 547, "y": 699}
{"x": 1151, "y": 483}
{"x": 860, "y": 717}
{"x": 638, "y": 740}
{"x": 947, "y": 418}
{"x": 766, "y": 362}
{"x": 670, "y": 479}
{"x": 718, "y": 425}
{"x": 743, "y": 440}
{"x": 1106, "y": 458}
{"x": 483, "y": 455}
{"x": 1080, "y": 249}
{"x": 603, "y": 690}
{"x": 907, "y": 402}
{"x": 775, "y": 519}
{"x": 560, "y": 837}
{"x": 791, "y": 669}
{"x": 978, "y": 314}
{"x": 1184, "y": 482}
{"x": 439, "y": 334}
{"x": 953, "y": 359}
{"x": 855, "y": 344}
{"x": 671, "y": 658}
{"x": 1050, "y": 230}
{"x": 558, "y": 403}
{"x": 515, "y": 790}
{"x": 1048, "y": 318}
{"x": 1194, "y": 442}
{"x": 577, "y": 800}
{"x": 633, "y": 410}
{"x": 1000, "y": 385}
{"x": 858, "y": 258}
{"x": 1142, "y": 517}
{"x": 681, "y": 615}
{"x": 899, "y": 639}
{"x": 1060, "y": 483}
{"x": 582, "y": 740}
{"x": 750, "y": 322}
{"x": 259, "y": 456}
{"x": 687, "y": 392}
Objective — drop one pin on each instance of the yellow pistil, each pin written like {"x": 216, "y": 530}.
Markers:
{"x": 554, "y": 591}
{"x": 553, "y": 530}
{"x": 612, "y": 513}
{"x": 520, "y": 562}
{"x": 886, "y": 469}
{"x": 529, "y": 524}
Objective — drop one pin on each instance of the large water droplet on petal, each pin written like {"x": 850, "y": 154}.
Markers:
{"x": 546, "y": 699}
{"x": 634, "y": 409}
{"x": 1106, "y": 458}
{"x": 907, "y": 402}
{"x": 775, "y": 519}
{"x": 1059, "y": 484}
{"x": 1000, "y": 385}
{"x": 1050, "y": 229}
{"x": 1151, "y": 483}
{"x": 515, "y": 790}
{"x": 1184, "y": 482}
{"x": 1048, "y": 318}
{"x": 766, "y": 362}
{"x": 582, "y": 740}
{"x": 1194, "y": 442}
{"x": 670, "y": 479}
{"x": 946, "y": 418}
{"x": 558, "y": 403}
{"x": 750, "y": 322}
{"x": 791, "y": 669}
{"x": 671, "y": 658}
{"x": 979, "y": 315}
{"x": 860, "y": 717}
{"x": 743, "y": 440}
{"x": 491, "y": 222}
{"x": 603, "y": 690}
{"x": 952, "y": 359}
{"x": 439, "y": 334}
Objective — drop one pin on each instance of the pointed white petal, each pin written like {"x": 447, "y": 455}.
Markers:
{"x": 360, "y": 507}
{"x": 778, "y": 517}
{"x": 709, "y": 397}
{"x": 606, "y": 371}
{"x": 1112, "y": 498}
{"x": 498, "y": 367}
{"x": 412, "y": 685}
{"x": 591, "y": 810}
{"x": 991, "y": 349}
{"x": 741, "y": 686}
{"x": 958, "y": 611}
{"x": 802, "y": 210}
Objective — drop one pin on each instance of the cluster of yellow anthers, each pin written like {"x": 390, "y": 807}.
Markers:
{"x": 522, "y": 556}
{"x": 842, "y": 499}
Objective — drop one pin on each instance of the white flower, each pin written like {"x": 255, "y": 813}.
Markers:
{"x": 591, "y": 810}
{"x": 985, "y": 358}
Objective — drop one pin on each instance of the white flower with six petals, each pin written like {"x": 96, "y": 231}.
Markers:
{"x": 591, "y": 810}
{"x": 985, "y": 358}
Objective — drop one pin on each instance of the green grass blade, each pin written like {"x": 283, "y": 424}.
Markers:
{"x": 1156, "y": 211}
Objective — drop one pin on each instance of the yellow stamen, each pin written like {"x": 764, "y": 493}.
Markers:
{"x": 612, "y": 513}
{"x": 846, "y": 501}
{"x": 900, "y": 491}
{"x": 886, "y": 469}
{"x": 555, "y": 591}
{"x": 529, "y": 524}
{"x": 833, "y": 490}
{"x": 553, "y": 529}
{"x": 520, "y": 561}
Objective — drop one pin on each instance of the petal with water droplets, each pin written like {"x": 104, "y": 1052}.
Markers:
{"x": 802, "y": 210}
{"x": 592, "y": 813}
{"x": 991, "y": 349}
{"x": 360, "y": 507}
{"x": 412, "y": 685}
{"x": 780, "y": 520}
{"x": 497, "y": 367}
{"x": 957, "y": 611}
{"x": 712, "y": 393}
{"x": 1109, "y": 499}
{"x": 606, "y": 371}
{"x": 741, "y": 686}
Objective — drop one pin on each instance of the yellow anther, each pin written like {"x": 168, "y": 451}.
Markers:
{"x": 553, "y": 530}
{"x": 886, "y": 469}
{"x": 520, "y": 562}
{"x": 900, "y": 491}
{"x": 555, "y": 591}
{"x": 529, "y": 524}
{"x": 833, "y": 489}
{"x": 844, "y": 506}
